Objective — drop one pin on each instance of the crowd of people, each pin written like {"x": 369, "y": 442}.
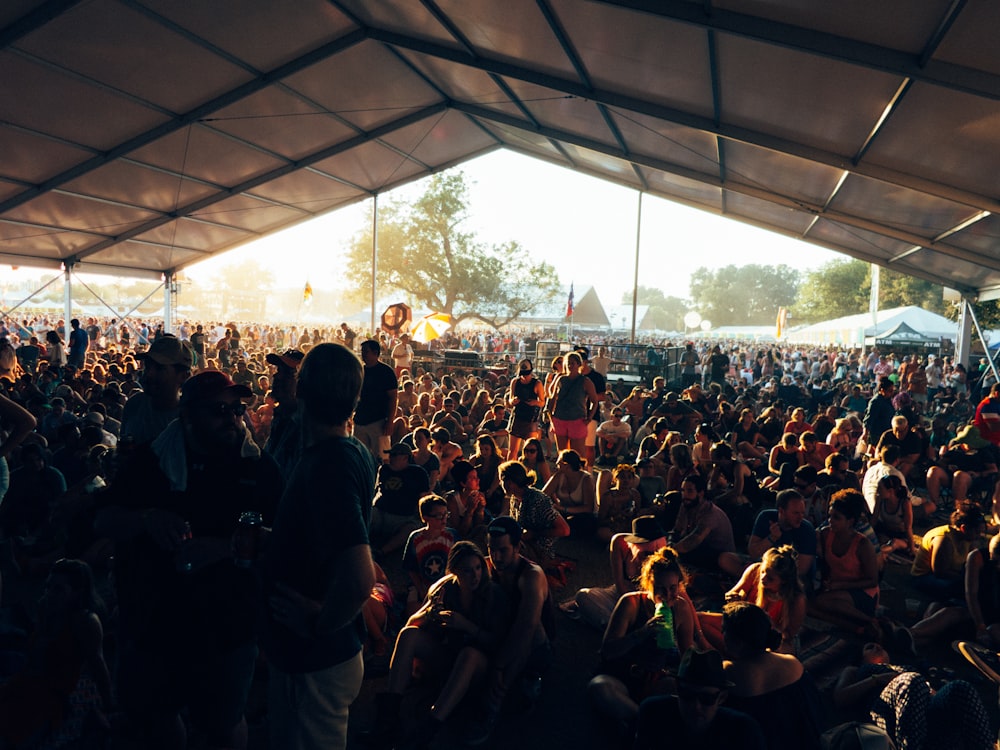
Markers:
{"x": 307, "y": 501}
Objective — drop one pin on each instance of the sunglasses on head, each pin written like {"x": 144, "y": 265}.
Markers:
{"x": 222, "y": 409}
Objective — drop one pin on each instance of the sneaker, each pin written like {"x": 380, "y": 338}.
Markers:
{"x": 986, "y": 660}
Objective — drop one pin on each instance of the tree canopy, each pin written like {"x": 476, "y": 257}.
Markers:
{"x": 424, "y": 252}
{"x": 665, "y": 313}
{"x": 743, "y": 295}
{"x": 843, "y": 287}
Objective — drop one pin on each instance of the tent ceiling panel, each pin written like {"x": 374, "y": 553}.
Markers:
{"x": 278, "y": 120}
{"x": 441, "y": 139}
{"x": 889, "y": 23}
{"x": 133, "y": 183}
{"x": 685, "y": 147}
{"x": 463, "y": 83}
{"x": 683, "y": 190}
{"x": 249, "y": 213}
{"x": 954, "y": 142}
{"x": 869, "y": 128}
{"x": 32, "y": 157}
{"x": 138, "y": 255}
{"x": 571, "y": 114}
{"x": 39, "y": 98}
{"x": 788, "y": 218}
{"x": 371, "y": 165}
{"x": 71, "y": 211}
{"x": 366, "y": 85}
{"x": 192, "y": 234}
{"x": 124, "y": 49}
{"x": 807, "y": 99}
{"x": 307, "y": 190}
{"x": 982, "y": 237}
{"x": 203, "y": 154}
{"x": 512, "y": 31}
{"x": 971, "y": 41}
{"x": 399, "y": 16}
{"x": 262, "y": 33}
{"x": 925, "y": 216}
{"x": 663, "y": 61}
{"x": 32, "y": 241}
{"x": 596, "y": 162}
{"x": 780, "y": 173}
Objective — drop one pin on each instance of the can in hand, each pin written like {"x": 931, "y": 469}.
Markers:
{"x": 245, "y": 546}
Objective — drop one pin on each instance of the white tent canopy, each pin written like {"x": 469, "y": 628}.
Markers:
{"x": 853, "y": 329}
{"x": 140, "y": 136}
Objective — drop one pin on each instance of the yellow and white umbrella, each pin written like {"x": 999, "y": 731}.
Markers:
{"x": 430, "y": 327}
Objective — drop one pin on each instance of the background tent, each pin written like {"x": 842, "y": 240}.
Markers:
{"x": 852, "y": 330}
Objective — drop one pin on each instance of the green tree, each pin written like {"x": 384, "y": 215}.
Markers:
{"x": 747, "y": 295}
{"x": 843, "y": 287}
{"x": 424, "y": 252}
{"x": 665, "y": 313}
{"x": 838, "y": 288}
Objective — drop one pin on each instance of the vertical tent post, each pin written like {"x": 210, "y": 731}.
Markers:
{"x": 374, "y": 254}
{"x": 635, "y": 278}
{"x": 168, "y": 293}
{"x": 963, "y": 346}
{"x": 67, "y": 298}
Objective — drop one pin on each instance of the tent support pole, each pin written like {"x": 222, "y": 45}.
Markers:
{"x": 635, "y": 278}
{"x": 963, "y": 346}
{"x": 169, "y": 289}
{"x": 374, "y": 255}
{"x": 67, "y": 298}
{"x": 975, "y": 322}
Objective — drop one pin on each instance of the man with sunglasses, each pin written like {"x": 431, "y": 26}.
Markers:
{"x": 187, "y": 612}
{"x": 527, "y": 397}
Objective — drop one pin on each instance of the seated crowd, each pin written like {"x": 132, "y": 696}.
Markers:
{"x": 331, "y": 509}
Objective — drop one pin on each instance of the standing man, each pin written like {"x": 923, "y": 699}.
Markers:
{"x": 187, "y": 612}
{"x": 318, "y": 566}
{"x": 600, "y": 386}
{"x": 878, "y": 415}
{"x": 402, "y": 355}
{"x": 348, "y": 335}
{"x": 78, "y": 343}
{"x": 165, "y": 368}
{"x": 198, "y": 344}
{"x": 377, "y": 405}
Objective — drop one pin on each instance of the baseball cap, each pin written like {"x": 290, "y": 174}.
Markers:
{"x": 290, "y": 358}
{"x": 208, "y": 385}
{"x": 169, "y": 350}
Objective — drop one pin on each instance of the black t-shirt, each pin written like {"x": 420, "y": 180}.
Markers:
{"x": 375, "y": 387}
{"x": 720, "y": 367}
{"x": 398, "y": 492}
{"x": 213, "y": 608}
{"x": 325, "y": 510}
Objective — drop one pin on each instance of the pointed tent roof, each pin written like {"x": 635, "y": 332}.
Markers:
{"x": 900, "y": 335}
{"x": 853, "y": 329}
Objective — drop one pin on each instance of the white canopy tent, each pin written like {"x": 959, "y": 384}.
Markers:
{"x": 852, "y": 330}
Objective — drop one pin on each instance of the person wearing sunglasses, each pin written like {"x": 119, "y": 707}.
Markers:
{"x": 186, "y": 608}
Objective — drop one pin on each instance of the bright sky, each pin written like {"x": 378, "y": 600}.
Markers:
{"x": 584, "y": 226}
